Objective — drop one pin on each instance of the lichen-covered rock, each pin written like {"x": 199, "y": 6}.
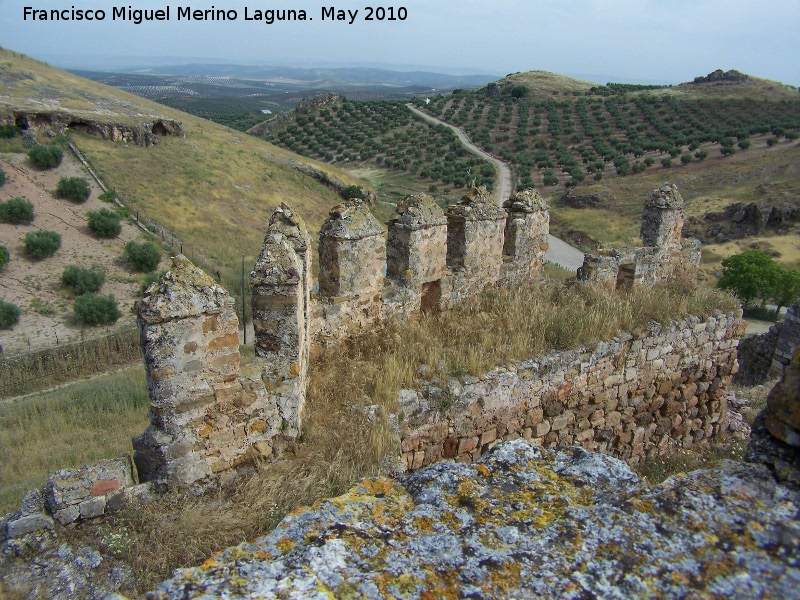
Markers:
{"x": 183, "y": 291}
{"x": 350, "y": 220}
{"x": 524, "y": 522}
{"x": 417, "y": 211}
{"x": 783, "y": 405}
{"x": 475, "y": 205}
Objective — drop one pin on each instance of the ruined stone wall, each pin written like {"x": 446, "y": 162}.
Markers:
{"x": 767, "y": 355}
{"x": 428, "y": 260}
{"x": 788, "y": 341}
{"x": 207, "y": 414}
{"x": 641, "y": 394}
{"x": 664, "y": 254}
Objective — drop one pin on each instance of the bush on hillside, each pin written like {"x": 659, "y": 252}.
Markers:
{"x": 8, "y": 131}
{"x": 143, "y": 257}
{"x": 17, "y": 210}
{"x": 73, "y": 188}
{"x": 104, "y": 223}
{"x": 90, "y": 309}
{"x": 351, "y": 191}
{"x": 82, "y": 281}
{"x": 9, "y": 314}
{"x": 2, "y": 177}
{"x": 41, "y": 244}
{"x": 4, "y": 256}
{"x": 46, "y": 157}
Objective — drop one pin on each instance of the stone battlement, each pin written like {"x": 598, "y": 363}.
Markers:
{"x": 210, "y": 415}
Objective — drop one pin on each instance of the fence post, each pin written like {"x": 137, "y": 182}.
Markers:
{"x": 244, "y": 309}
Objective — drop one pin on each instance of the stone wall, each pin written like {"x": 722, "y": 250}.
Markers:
{"x": 765, "y": 356}
{"x": 641, "y": 394}
{"x": 663, "y": 255}
{"x": 428, "y": 261}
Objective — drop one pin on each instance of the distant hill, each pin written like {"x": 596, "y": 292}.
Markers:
{"x": 542, "y": 85}
{"x": 314, "y": 77}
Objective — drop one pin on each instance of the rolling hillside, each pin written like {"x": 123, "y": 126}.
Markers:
{"x": 214, "y": 188}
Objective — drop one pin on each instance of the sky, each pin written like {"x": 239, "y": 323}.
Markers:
{"x": 635, "y": 41}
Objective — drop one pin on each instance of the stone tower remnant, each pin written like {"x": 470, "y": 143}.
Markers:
{"x": 417, "y": 248}
{"x": 526, "y": 236}
{"x": 352, "y": 252}
{"x": 475, "y": 228}
{"x": 664, "y": 254}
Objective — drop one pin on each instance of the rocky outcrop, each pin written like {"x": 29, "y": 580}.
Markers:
{"x": 719, "y": 75}
{"x": 317, "y": 102}
{"x": 739, "y": 221}
{"x": 59, "y": 122}
{"x": 599, "y": 199}
{"x": 524, "y": 522}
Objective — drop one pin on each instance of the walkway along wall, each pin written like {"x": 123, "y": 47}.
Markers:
{"x": 641, "y": 394}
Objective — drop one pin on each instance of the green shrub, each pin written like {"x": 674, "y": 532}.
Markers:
{"x": 16, "y": 210}
{"x": 90, "y": 309}
{"x": 2, "y": 177}
{"x": 143, "y": 257}
{"x": 4, "y": 256}
{"x": 46, "y": 157}
{"x": 9, "y": 131}
{"x": 106, "y": 196}
{"x": 9, "y": 314}
{"x": 83, "y": 281}
{"x": 41, "y": 244}
{"x": 104, "y": 223}
{"x": 73, "y": 188}
{"x": 351, "y": 191}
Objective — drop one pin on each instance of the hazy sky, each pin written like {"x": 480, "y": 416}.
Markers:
{"x": 668, "y": 41}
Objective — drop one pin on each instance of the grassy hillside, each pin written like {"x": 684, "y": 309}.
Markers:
{"x": 215, "y": 188}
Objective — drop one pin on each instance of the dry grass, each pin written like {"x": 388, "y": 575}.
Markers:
{"x": 339, "y": 444}
{"x": 68, "y": 427}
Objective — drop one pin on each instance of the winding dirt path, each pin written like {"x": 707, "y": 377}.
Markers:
{"x": 503, "y": 189}
{"x": 560, "y": 252}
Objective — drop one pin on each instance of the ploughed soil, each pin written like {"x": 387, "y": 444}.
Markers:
{"x": 35, "y": 285}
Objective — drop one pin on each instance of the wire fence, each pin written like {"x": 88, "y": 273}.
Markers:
{"x": 227, "y": 277}
{"x": 48, "y": 367}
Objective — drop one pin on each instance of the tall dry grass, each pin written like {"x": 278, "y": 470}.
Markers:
{"x": 339, "y": 444}
{"x": 68, "y": 427}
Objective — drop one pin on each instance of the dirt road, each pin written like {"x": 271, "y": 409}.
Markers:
{"x": 502, "y": 190}
{"x": 560, "y": 252}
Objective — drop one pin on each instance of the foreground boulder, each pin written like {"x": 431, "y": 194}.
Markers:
{"x": 525, "y": 522}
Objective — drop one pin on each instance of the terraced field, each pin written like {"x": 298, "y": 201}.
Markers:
{"x": 388, "y": 135}
{"x": 592, "y": 135}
